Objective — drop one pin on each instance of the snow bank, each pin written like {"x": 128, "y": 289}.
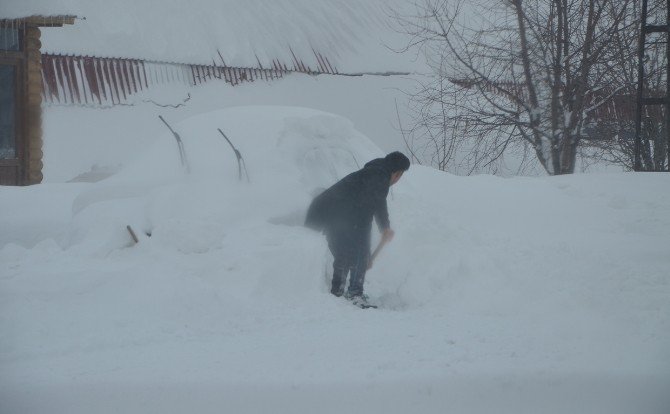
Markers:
{"x": 288, "y": 153}
{"x": 514, "y": 295}
{"x": 106, "y": 140}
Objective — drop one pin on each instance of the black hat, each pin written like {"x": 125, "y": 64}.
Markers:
{"x": 397, "y": 161}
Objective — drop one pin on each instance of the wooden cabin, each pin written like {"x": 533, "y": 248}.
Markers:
{"x": 21, "y": 97}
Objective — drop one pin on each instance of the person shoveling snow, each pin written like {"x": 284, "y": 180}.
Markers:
{"x": 344, "y": 213}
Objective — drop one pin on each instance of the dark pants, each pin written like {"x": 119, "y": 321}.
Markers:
{"x": 351, "y": 250}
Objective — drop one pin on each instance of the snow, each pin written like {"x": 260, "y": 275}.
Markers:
{"x": 528, "y": 294}
{"x": 352, "y": 34}
{"x": 105, "y": 140}
{"x": 506, "y": 295}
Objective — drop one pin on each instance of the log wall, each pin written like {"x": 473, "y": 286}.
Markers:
{"x": 33, "y": 111}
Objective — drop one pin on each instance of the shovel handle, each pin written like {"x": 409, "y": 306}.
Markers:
{"x": 378, "y": 249}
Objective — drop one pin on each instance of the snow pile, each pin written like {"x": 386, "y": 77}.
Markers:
{"x": 512, "y": 295}
{"x": 106, "y": 140}
{"x": 289, "y": 153}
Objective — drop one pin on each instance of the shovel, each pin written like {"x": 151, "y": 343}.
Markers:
{"x": 378, "y": 249}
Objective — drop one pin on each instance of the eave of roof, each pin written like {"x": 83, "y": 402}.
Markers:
{"x": 41, "y": 20}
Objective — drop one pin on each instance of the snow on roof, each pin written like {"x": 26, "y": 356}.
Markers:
{"x": 40, "y": 20}
{"x": 352, "y": 34}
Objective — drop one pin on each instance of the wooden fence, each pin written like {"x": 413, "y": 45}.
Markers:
{"x": 98, "y": 81}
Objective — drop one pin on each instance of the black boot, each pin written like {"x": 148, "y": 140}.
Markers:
{"x": 337, "y": 291}
{"x": 337, "y": 287}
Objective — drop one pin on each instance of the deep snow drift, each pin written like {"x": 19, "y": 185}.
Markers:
{"x": 497, "y": 295}
{"x": 111, "y": 138}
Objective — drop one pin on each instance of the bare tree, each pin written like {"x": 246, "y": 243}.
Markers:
{"x": 520, "y": 75}
{"x": 614, "y": 131}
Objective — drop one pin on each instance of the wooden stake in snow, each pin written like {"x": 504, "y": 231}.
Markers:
{"x": 132, "y": 234}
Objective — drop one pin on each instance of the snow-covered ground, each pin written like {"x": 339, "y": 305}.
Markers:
{"x": 521, "y": 295}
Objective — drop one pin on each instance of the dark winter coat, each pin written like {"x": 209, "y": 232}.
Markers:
{"x": 351, "y": 203}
